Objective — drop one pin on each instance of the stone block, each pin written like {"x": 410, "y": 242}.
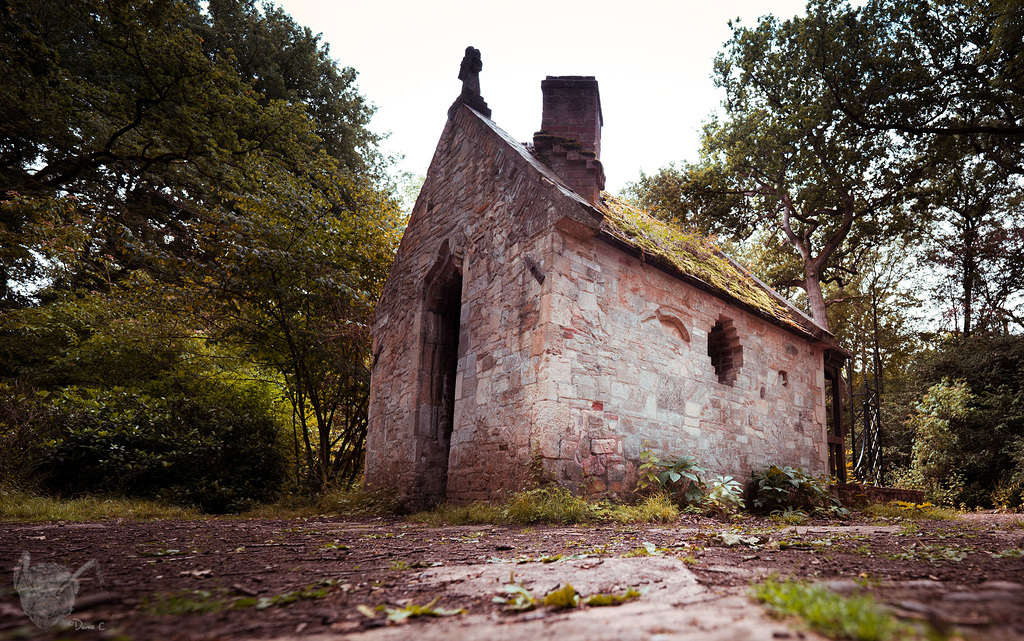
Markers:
{"x": 604, "y": 446}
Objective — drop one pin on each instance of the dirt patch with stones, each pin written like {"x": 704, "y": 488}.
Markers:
{"x": 222, "y": 578}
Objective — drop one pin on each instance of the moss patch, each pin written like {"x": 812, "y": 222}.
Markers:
{"x": 692, "y": 254}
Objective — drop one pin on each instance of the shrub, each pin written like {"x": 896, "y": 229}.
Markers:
{"x": 971, "y": 413}
{"x": 217, "y": 453}
{"x": 778, "y": 489}
{"x": 25, "y": 427}
{"x": 724, "y": 495}
{"x": 678, "y": 476}
{"x": 937, "y": 455}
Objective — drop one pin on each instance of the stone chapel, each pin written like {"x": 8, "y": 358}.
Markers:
{"x": 533, "y": 320}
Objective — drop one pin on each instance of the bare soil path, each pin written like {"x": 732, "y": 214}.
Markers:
{"x": 223, "y": 578}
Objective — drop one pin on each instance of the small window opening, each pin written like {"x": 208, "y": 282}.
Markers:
{"x": 784, "y": 378}
{"x": 725, "y": 351}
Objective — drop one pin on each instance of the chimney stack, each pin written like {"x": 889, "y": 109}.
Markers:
{"x": 569, "y": 141}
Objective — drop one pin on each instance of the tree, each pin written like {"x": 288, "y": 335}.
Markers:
{"x": 291, "y": 275}
{"x": 977, "y": 247}
{"x": 815, "y": 188}
{"x": 950, "y": 69}
{"x": 213, "y": 159}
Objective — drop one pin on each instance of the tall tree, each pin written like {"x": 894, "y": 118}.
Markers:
{"x": 787, "y": 163}
{"x": 977, "y": 248}
{"x": 948, "y": 68}
{"x": 214, "y": 155}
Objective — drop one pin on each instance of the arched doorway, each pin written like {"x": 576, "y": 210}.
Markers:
{"x": 441, "y": 332}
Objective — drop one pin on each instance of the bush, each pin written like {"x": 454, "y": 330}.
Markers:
{"x": 724, "y": 496}
{"x": 216, "y": 453}
{"x": 976, "y": 455}
{"x": 781, "y": 489}
{"x": 25, "y": 427}
{"x": 679, "y": 477}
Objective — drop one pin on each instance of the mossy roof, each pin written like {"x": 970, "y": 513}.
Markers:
{"x": 699, "y": 258}
{"x": 693, "y": 257}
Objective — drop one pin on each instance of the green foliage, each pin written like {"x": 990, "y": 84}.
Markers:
{"x": 213, "y": 453}
{"x": 678, "y": 476}
{"x": 725, "y": 495}
{"x": 943, "y": 71}
{"x": 833, "y": 615}
{"x": 778, "y": 489}
{"x": 784, "y": 169}
{"x": 185, "y": 181}
{"x": 937, "y": 455}
{"x": 971, "y": 448}
{"x": 18, "y": 505}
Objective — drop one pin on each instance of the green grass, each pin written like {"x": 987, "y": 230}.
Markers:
{"x": 550, "y": 505}
{"x": 16, "y": 505}
{"x": 657, "y": 508}
{"x": 901, "y": 510}
{"x": 184, "y": 602}
{"x": 858, "y": 617}
{"x": 355, "y": 502}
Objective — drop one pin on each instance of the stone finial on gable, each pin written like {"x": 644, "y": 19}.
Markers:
{"x": 469, "y": 74}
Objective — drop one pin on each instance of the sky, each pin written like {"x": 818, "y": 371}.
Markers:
{"x": 652, "y": 60}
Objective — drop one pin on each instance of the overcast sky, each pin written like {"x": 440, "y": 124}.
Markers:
{"x": 653, "y": 61}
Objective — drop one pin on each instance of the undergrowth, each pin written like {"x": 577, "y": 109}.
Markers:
{"x": 905, "y": 510}
{"x": 551, "y": 505}
{"x": 17, "y": 505}
{"x": 355, "y": 502}
{"x": 856, "y": 617}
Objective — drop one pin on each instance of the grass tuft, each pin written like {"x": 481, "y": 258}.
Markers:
{"x": 904, "y": 510}
{"x": 355, "y": 502}
{"x": 16, "y": 505}
{"x": 474, "y": 513}
{"x": 858, "y": 617}
{"x": 550, "y": 505}
{"x": 657, "y": 508}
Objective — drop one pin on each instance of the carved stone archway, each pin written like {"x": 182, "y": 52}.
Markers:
{"x": 442, "y": 323}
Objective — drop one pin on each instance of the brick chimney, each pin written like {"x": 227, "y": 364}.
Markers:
{"x": 569, "y": 141}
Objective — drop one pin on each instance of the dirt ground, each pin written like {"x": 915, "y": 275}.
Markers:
{"x": 227, "y": 578}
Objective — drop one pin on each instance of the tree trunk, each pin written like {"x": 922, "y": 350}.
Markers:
{"x": 816, "y": 300}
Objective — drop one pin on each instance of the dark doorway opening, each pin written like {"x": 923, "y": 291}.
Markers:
{"x": 446, "y": 365}
{"x": 436, "y": 422}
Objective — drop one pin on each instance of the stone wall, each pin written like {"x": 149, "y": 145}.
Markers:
{"x": 486, "y": 208}
{"x": 857, "y": 494}
{"x": 570, "y": 351}
{"x": 628, "y": 368}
